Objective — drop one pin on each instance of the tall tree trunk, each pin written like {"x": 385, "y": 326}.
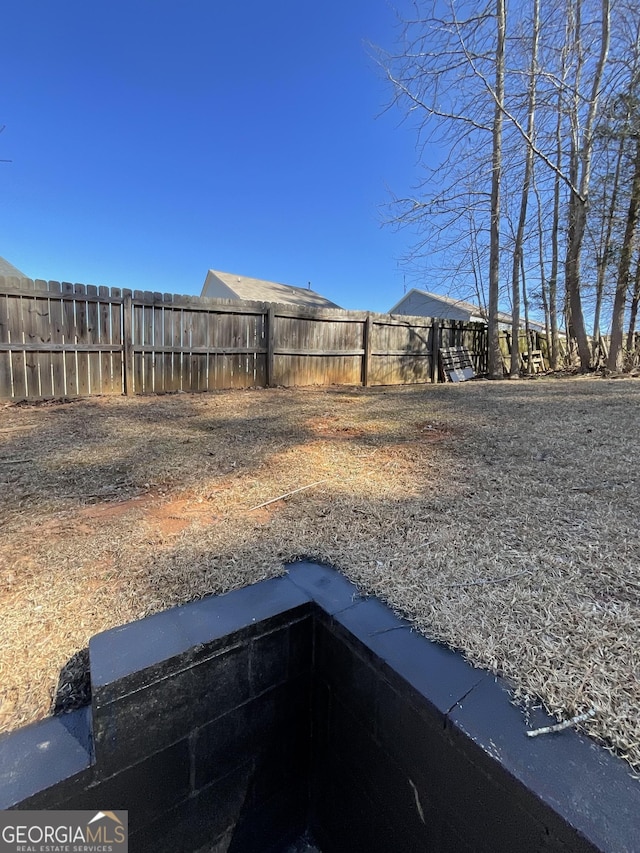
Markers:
{"x": 633, "y": 311}
{"x": 577, "y": 330}
{"x": 495, "y": 356}
{"x": 527, "y": 327}
{"x": 555, "y": 249}
{"x": 581, "y": 168}
{"x": 518, "y": 257}
{"x": 570, "y": 279}
{"x": 543, "y": 276}
{"x": 605, "y": 247}
{"x": 614, "y": 362}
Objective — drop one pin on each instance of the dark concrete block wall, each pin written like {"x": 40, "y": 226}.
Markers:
{"x": 408, "y": 735}
{"x": 200, "y": 720}
{"x": 238, "y": 722}
{"x": 398, "y": 766}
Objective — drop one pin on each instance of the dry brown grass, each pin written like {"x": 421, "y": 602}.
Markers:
{"x": 502, "y": 518}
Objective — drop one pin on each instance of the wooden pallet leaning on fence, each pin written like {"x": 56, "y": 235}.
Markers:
{"x": 537, "y": 362}
{"x": 456, "y": 364}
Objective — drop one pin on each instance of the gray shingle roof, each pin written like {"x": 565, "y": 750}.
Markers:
{"x": 257, "y": 290}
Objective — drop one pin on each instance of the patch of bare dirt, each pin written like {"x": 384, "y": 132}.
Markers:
{"x": 333, "y": 427}
{"x": 430, "y": 431}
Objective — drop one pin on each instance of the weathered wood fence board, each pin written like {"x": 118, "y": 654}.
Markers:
{"x": 69, "y": 340}
{"x": 56, "y": 339}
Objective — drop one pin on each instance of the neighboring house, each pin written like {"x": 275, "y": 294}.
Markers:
{"x": 8, "y": 269}
{"x": 421, "y": 303}
{"x": 224, "y": 285}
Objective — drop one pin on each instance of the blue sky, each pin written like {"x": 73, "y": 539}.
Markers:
{"x": 153, "y": 140}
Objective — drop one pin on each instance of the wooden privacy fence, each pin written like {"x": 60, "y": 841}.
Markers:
{"x": 70, "y": 340}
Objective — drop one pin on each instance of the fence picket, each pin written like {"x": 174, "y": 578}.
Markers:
{"x": 147, "y": 341}
{"x": 6, "y": 389}
{"x": 128, "y": 340}
{"x": 59, "y": 388}
{"x": 93, "y": 338}
{"x": 167, "y": 341}
{"x": 118, "y": 340}
{"x": 82, "y": 337}
{"x": 69, "y": 337}
{"x": 30, "y": 323}
{"x": 178, "y": 358}
{"x": 104, "y": 337}
{"x": 16, "y": 332}
{"x": 42, "y": 329}
{"x": 158, "y": 340}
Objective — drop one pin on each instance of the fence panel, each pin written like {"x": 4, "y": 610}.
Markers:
{"x": 58, "y": 340}
{"x": 189, "y": 344}
{"x": 317, "y": 350}
{"x": 401, "y": 351}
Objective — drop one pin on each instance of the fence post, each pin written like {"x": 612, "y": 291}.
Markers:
{"x": 366, "y": 355}
{"x": 271, "y": 337}
{"x": 127, "y": 335}
{"x": 435, "y": 349}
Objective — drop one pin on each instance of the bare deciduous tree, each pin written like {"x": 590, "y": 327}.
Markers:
{"x": 495, "y": 100}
